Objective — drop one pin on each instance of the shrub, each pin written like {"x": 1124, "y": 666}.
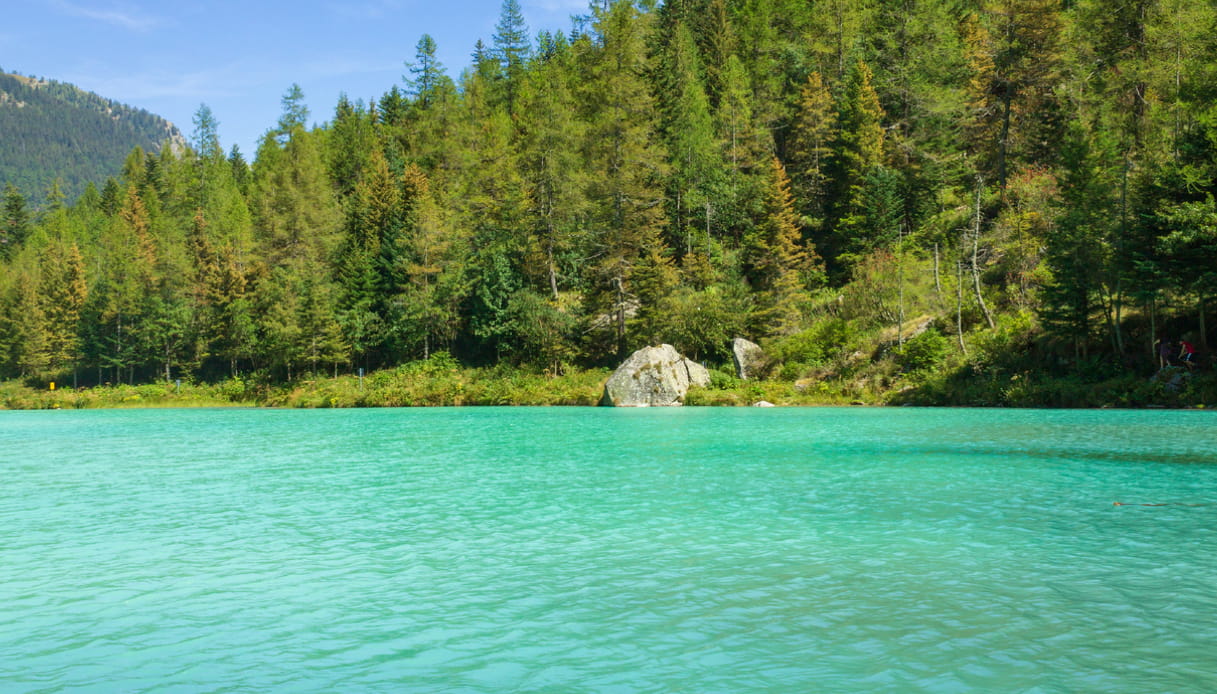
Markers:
{"x": 924, "y": 353}
{"x": 823, "y": 342}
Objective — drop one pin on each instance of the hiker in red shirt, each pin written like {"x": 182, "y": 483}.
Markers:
{"x": 1187, "y": 354}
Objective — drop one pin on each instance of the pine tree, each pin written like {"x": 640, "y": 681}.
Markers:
{"x": 552, "y": 166}
{"x": 628, "y": 161}
{"x": 1013, "y": 49}
{"x": 429, "y": 84}
{"x": 779, "y": 263}
{"x": 694, "y": 149}
{"x": 1075, "y": 252}
{"x": 30, "y": 342}
{"x": 857, "y": 152}
{"x": 511, "y": 48}
{"x": 428, "y": 265}
{"x": 15, "y": 226}
{"x": 295, "y": 112}
{"x": 64, "y": 291}
{"x": 352, "y": 138}
{"x": 206, "y": 139}
{"x": 814, "y": 130}
{"x": 294, "y": 208}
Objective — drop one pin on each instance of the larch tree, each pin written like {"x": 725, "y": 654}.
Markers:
{"x": 779, "y": 263}
{"x": 628, "y": 161}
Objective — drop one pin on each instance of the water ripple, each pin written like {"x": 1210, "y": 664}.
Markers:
{"x": 605, "y": 551}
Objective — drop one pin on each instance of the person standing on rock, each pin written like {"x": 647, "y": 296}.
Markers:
{"x": 1166, "y": 352}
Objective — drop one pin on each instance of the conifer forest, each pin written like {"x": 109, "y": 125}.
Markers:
{"x": 979, "y": 186}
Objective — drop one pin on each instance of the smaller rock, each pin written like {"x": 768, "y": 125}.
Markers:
{"x": 749, "y": 358}
{"x": 763, "y": 403}
{"x": 698, "y": 374}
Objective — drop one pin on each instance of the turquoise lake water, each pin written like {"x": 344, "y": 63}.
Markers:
{"x": 599, "y": 550}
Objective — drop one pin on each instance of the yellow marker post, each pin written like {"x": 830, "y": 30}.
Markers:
{"x": 52, "y": 385}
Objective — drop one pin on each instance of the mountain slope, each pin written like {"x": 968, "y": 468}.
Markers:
{"x": 51, "y": 130}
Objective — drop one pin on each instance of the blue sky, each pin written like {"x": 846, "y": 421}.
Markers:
{"x": 240, "y": 57}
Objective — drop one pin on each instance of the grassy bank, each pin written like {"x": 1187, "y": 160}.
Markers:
{"x": 16, "y": 395}
{"x": 892, "y": 379}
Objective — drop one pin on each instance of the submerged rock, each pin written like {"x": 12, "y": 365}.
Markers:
{"x": 653, "y": 377}
{"x": 749, "y": 358}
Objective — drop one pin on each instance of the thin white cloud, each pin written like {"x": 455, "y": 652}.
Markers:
{"x": 368, "y": 9}
{"x": 222, "y": 81}
{"x": 127, "y": 18}
{"x": 336, "y": 66}
{"x": 576, "y": 6}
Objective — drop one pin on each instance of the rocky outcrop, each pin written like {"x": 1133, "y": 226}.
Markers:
{"x": 653, "y": 377}
{"x": 749, "y": 358}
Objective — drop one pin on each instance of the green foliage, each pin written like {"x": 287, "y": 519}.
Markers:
{"x": 1033, "y": 179}
{"x": 53, "y": 130}
{"x": 924, "y": 353}
{"x": 827, "y": 340}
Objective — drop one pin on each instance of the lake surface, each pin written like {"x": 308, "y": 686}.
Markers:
{"x": 599, "y": 550}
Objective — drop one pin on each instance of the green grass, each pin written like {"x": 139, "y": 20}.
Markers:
{"x": 15, "y": 395}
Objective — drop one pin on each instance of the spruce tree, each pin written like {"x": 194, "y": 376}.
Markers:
{"x": 511, "y": 48}
{"x": 15, "y": 226}
{"x": 694, "y": 150}
{"x": 857, "y": 152}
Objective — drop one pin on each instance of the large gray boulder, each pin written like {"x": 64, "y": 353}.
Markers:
{"x": 749, "y": 358}
{"x": 653, "y": 377}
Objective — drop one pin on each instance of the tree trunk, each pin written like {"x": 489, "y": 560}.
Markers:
{"x": 1007, "y": 105}
{"x": 620, "y": 318}
{"x": 1204, "y": 335}
{"x": 1153, "y": 328}
{"x": 553, "y": 271}
{"x": 959, "y": 301}
{"x": 1109, "y": 312}
{"x": 980, "y": 299}
{"x": 900, "y": 273}
{"x": 937, "y": 276}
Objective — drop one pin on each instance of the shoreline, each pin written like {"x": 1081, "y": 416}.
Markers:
{"x": 472, "y": 387}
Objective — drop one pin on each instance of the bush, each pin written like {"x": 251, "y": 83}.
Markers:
{"x": 924, "y": 353}
{"x": 821, "y": 343}
{"x": 723, "y": 380}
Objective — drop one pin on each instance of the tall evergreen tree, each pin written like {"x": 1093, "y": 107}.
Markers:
{"x": 511, "y": 47}
{"x": 1013, "y": 48}
{"x": 428, "y": 83}
{"x": 813, "y": 132}
{"x": 779, "y": 262}
{"x": 857, "y": 152}
{"x": 15, "y": 226}
{"x": 64, "y": 292}
{"x": 629, "y": 163}
{"x": 694, "y": 149}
